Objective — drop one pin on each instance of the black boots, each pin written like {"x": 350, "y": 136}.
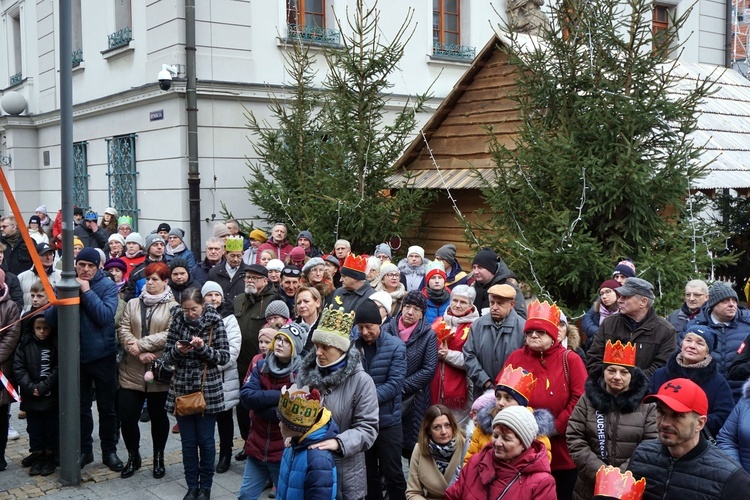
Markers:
{"x": 223, "y": 465}
{"x": 159, "y": 469}
{"x": 134, "y": 463}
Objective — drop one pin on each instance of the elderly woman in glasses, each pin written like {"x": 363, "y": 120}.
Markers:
{"x": 390, "y": 282}
{"x": 561, "y": 376}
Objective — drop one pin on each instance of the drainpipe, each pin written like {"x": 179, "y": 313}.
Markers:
{"x": 728, "y": 37}
{"x": 194, "y": 173}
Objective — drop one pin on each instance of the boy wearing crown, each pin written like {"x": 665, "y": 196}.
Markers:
{"x": 610, "y": 419}
{"x": 305, "y": 473}
{"x": 513, "y": 389}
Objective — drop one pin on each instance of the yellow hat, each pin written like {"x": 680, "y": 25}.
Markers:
{"x": 77, "y": 241}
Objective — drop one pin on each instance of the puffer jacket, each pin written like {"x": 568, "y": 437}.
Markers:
{"x": 189, "y": 367}
{"x": 260, "y": 395}
{"x": 132, "y": 369}
{"x": 350, "y": 394}
{"x": 482, "y": 434}
{"x": 187, "y": 255}
{"x": 734, "y": 438}
{"x": 527, "y": 477}
{"x": 9, "y": 338}
{"x": 654, "y": 338}
{"x": 421, "y": 364}
{"x": 229, "y": 373}
{"x": 728, "y": 341}
{"x": 554, "y": 390}
{"x": 626, "y": 422}
{"x": 426, "y": 482}
{"x": 305, "y": 473}
{"x": 388, "y": 371}
{"x": 720, "y": 400}
{"x": 97, "y": 310}
{"x": 28, "y": 367}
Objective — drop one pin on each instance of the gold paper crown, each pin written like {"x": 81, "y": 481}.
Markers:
{"x": 619, "y": 354}
{"x": 233, "y": 244}
{"x": 518, "y": 379}
{"x": 610, "y": 482}
{"x": 336, "y": 321}
{"x": 299, "y": 407}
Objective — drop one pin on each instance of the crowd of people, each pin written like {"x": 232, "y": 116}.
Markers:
{"x": 341, "y": 369}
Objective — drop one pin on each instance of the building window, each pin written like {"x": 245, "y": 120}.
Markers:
{"x": 80, "y": 175}
{"x": 306, "y": 22}
{"x": 122, "y": 176}
{"x": 446, "y": 22}
{"x": 15, "y": 55}
{"x": 123, "y": 32}
{"x": 660, "y": 27}
{"x": 77, "y": 32}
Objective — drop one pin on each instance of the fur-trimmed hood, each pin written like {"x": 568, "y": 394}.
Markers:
{"x": 310, "y": 373}
{"x": 627, "y": 402}
{"x": 574, "y": 337}
{"x": 544, "y": 419}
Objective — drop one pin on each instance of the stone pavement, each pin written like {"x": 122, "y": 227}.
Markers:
{"x": 98, "y": 482}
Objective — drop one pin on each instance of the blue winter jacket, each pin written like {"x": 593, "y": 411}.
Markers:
{"x": 728, "y": 341}
{"x": 97, "y": 311}
{"x": 186, "y": 254}
{"x": 734, "y": 438}
{"x": 388, "y": 370}
{"x": 307, "y": 474}
{"x": 435, "y": 310}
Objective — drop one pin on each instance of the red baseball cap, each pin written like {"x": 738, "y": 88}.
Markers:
{"x": 681, "y": 395}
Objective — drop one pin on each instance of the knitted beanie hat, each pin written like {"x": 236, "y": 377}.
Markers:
{"x": 625, "y": 267}
{"x": 221, "y": 230}
{"x": 720, "y": 291}
{"x": 151, "y": 239}
{"x": 384, "y": 298}
{"x": 135, "y": 238}
{"x": 174, "y": 263}
{"x": 383, "y": 249}
{"x": 521, "y": 421}
{"x": 415, "y": 298}
{"x": 176, "y": 231}
{"x": 367, "y": 312}
{"x": 89, "y": 254}
{"x": 705, "y": 333}
{"x": 415, "y": 250}
{"x": 487, "y": 259}
{"x": 388, "y": 268}
{"x": 258, "y": 235}
{"x": 277, "y": 308}
{"x": 116, "y": 237}
{"x": 163, "y": 227}
{"x": 447, "y": 253}
{"x": 296, "y": 333}
{"x": 115, "y": 263}
{"x": 212, "y": 286}
{"x": 77, "y": 241}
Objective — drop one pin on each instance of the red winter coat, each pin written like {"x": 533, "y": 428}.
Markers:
{"x": 553, "y": 392}
{"x": 485, "y": 477}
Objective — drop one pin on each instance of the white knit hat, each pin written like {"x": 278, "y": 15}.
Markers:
{"x": 384, "y": 298}
{"x": 417, "y": 250}
{"x": 212, "y": 286}
{"x": 275, "y": 265}
{"x": 520, "y": 420}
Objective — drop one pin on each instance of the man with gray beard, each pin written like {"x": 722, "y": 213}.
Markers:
{"x": 250, "y": 309}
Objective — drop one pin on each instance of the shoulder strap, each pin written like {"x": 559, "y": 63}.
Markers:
{"x": 205, "y": 365}
{"x": 565, "y": 368}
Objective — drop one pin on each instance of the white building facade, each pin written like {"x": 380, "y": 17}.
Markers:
{"x": 131, "y": 137}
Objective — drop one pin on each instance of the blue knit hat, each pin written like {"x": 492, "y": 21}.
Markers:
{"x": 705, "y": 333}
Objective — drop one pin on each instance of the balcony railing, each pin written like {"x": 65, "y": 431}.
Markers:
{"x": 16, "y": 79}
{"x": 313, "y": 34}
{"x": 453, "y": 51}
{"x": 77, "y": 57}
{"x": 120, "y": 38}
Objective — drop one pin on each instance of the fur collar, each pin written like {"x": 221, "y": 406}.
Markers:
{"x": 544, "y": 419}
{"x": 700, "y": 376}
{"x": 310, "y": 374}
{"x": 746, "y": 389}
{"x": 627, "y": 402}
{"x": 406, "y": 269}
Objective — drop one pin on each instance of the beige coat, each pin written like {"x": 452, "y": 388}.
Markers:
{"x": 425, "y": 480}
{"x": 132, "y": 369}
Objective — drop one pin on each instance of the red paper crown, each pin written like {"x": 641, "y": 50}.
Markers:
{"x": 619, "y": 354}
{"x": 543, "y": 316}
{"x": 518, "y": 379}
{"x": 610, "y": 482}
{"x": 356, "y": 262}
{"x": 441, "y": 329}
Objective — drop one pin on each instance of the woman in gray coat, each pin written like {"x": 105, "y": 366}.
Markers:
{"x": 349, "y": 394}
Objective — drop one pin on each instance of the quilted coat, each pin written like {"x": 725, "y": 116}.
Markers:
{"x": 626, "y": 421}
{"x": 189, "y": 367}
{"x": 734, "y": 438}
{"x": 350, "y": 394}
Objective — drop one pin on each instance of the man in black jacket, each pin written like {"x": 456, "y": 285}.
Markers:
{"x": 17, "y": 258}
{"x": 488, "y": 270}
{"x": 682, "y": 463}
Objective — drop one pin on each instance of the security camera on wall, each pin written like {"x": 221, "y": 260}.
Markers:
{"x": 165, "y": 76}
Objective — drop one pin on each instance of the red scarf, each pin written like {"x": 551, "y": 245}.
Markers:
{"x": 448, "y": 386}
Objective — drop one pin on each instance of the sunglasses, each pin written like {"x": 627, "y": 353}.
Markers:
{"x": 291, "y": 271}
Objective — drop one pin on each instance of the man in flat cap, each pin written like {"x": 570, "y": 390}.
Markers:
{"x": 492, "y": 338}
{"x": 637, "y": 323}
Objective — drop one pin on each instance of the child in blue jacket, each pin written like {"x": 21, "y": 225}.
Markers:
{"x": 305, "y": 474}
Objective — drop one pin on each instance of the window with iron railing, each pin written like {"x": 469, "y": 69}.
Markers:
{"x": 80, "y": 175}
{"x": 446, "y": 31}
{"x": 122, "y": 173}
{"x": 306, "y": 22}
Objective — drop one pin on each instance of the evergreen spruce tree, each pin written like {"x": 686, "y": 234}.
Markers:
{"x": 324, "y": 164}
{"x": 603, "y": 159}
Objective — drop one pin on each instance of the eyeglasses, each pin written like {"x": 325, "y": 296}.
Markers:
{"x": 281, "y": 340}
{"x": 254, "y": 278}
{"x": 192, "y": 310}
{"x": 392, "y": 275}
{"x": 538, "y": 333}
